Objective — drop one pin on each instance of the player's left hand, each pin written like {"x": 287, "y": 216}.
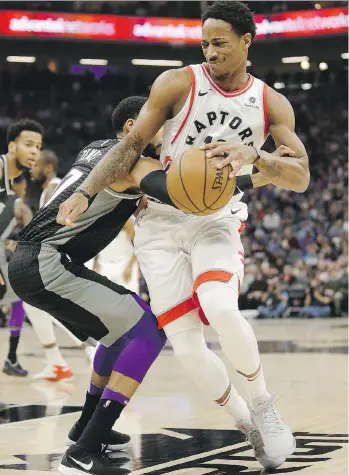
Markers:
{"x": 70, "y": 209}
{"x": 236, "y": 155}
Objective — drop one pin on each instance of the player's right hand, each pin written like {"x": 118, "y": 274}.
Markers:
{"x": 70, "y": 209}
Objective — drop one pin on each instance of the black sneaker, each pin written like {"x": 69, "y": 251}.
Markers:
{"x": 116, "y": 440}
{"x": 78, "y": 460}
{"x": 14, "y": 369}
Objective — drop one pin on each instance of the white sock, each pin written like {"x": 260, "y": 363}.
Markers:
{"x": 208, "y": 372}
{"x": 236, "y": 406}
{"x": 41, "y": 323}
{"x": 54, "y": 357}
{"x": 238, "y": 341}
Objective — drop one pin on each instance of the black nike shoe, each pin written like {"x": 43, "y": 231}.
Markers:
{"x": 116, "y": 440}
{"x": 78, "y": 460}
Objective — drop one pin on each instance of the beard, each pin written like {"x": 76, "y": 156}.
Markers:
{"x": 20, "y": 166}
{"x": 40, "y": 180}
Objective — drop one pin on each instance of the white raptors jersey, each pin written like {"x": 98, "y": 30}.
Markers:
{"x": 55, "y": 181}
{"x": 212, "y": 114}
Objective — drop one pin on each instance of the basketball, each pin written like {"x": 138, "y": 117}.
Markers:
{"x": 196, "y": 186}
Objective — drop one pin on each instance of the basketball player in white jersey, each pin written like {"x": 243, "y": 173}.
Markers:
{"x": 44, "y": 172}
{"x": 191, "y": 262}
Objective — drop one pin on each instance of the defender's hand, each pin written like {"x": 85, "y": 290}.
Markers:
{"x": 283, "y": 151}
{"x": 70, "y": 210}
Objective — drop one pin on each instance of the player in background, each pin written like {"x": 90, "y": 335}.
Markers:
{"x": 24, "y": 141}
{"x": 215, "y": 101}
{"x": 14, "y": 217}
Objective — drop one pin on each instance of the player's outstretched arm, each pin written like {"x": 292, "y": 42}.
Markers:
{"x": 290, "y": 173}
{"x": 116, "y": 164}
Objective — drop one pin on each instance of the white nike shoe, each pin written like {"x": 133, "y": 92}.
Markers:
{"x": 54, "y": 373}
{"x": 277, "y": 437}
{"x": 254, "y": 438}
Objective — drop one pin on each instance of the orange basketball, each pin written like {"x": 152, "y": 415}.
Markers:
{"x": 196, "y": 186}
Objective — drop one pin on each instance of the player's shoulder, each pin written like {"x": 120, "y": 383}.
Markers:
{"x": 175, "y": 79}
{"x": 278, "y": 106}
{"x": 101, "y": 144}
{"x": 94, "y": 151}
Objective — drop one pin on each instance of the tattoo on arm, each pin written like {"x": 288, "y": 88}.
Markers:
{"x": 271, "y": 168}
{"x": 115, "y": 165}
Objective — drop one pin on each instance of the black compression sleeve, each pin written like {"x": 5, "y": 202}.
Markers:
{"x": 154, "y": 185}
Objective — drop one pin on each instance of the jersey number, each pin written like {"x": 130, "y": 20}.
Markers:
{"x": 68, "y": 180}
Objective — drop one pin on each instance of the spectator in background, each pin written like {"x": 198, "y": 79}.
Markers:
{"x": 290, "y": 241}
{"x": 275, "y": 302}
{"x": 271, "y": 220}
{"x": 288, "y": 277}
{"x": 317, "y": 301}
{"x": 257, "y": 291}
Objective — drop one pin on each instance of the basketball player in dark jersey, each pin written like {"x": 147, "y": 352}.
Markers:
{"x": 14, "y": 217}
{"x": 88, "y": 304}
{"x": 24, "y": 140}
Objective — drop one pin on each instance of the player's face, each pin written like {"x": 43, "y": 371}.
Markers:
{"x": 223, "y": 49}
{"x": 26, "y": 148}
{"x": 37, "y": 171}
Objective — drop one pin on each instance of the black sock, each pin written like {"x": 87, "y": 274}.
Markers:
{"x": 98, "y": 429}
{"x": 12, "y": 354}
{"x": 90, "y": 405}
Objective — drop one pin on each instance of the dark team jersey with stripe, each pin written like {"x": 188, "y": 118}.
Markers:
{"x": 95, "y": 228}
{"x": 5, "y": 183}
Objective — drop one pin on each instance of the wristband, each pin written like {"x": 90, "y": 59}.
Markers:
{"x": 83, "y": 192}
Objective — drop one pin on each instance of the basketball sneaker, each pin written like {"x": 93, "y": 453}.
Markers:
{"x": 54, "y": 373}
{"x": 14, "y": 369}
{"x": 116, "y": 440}
{"x": 277, "y": 437}
{"x": 78, "y": 460}
{"x": 254, "y": 438}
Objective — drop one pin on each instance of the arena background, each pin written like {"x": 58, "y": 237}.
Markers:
{"x": 69, "y": 69}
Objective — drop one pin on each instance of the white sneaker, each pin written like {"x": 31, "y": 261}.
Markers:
{"x": 54, "y": 373}
{"x": 90, "y": 352}
{"x": 277, "y": 437}
{"x": 254, "y": 438}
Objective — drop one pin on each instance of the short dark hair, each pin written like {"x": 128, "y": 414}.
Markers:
{"x": 16, "y": 128}
{"x": 128, "y": 108}
{"x": 50, "y": 158}
{"x": 240, "y": 17}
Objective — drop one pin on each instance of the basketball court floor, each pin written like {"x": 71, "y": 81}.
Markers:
{"x": 175, "y": 429}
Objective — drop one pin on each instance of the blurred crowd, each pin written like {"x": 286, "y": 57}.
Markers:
{"x": 180, "y": 9}
{"x": 296, "y": 245}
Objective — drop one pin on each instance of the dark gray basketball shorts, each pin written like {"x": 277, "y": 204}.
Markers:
{"x": 88, "y": 304}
